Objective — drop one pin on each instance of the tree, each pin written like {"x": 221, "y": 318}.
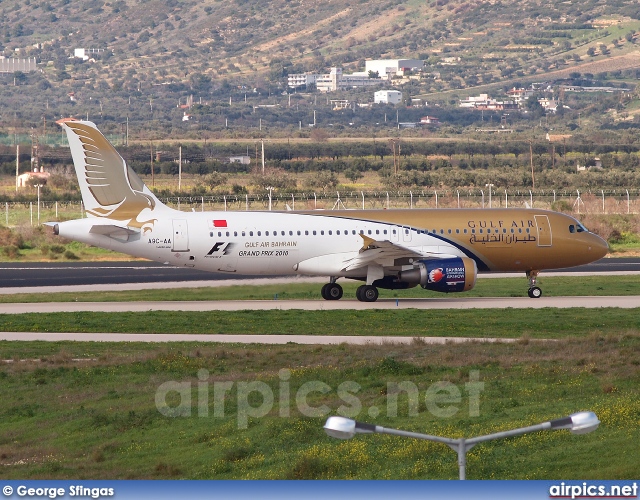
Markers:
{"x": 353, "y": 175}
{"x": 214, "y": 179}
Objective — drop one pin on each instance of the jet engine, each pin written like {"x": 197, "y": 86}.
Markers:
{"x": 442, "y": 275}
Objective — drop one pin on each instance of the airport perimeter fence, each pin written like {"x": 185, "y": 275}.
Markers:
{"x": 576, "y": 202}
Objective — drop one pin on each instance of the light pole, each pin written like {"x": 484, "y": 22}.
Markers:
{"x": 345, "y": 428}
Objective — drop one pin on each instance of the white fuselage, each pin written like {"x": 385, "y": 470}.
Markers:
{"x": 260, "y": 243}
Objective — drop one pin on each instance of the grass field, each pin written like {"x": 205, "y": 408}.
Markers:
{"x": 553, "y": 286}
{"x": 90, "y": 410}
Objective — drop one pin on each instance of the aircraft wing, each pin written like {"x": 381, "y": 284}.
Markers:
{"x": 379, "y": 252}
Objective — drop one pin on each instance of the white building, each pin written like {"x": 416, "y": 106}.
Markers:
{"x": 299, "y": 80}
{"x": 387, "y": 97}
{"x": 84, "y": 54}
{"x": 242, "y": 159}
{"x": 389, "y": 67}
{"x": 337, "y": 80}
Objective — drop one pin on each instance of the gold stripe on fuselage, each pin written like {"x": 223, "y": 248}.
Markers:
{"x": 500, "y": 240}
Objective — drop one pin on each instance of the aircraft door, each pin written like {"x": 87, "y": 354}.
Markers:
{"x": 395, "y": 234}
{"x": 180, "y": 236}
{"x": 544, "y": 230}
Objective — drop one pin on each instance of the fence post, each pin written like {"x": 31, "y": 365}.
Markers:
{"x": 628, "y": 203}
{"x": 31, "y": 211}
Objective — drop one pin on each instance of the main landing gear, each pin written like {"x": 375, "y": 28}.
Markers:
{"x": 534, "y": 291}
{"x": 367, "y": 293}
{"x": 364, "y": 293}
{"x": 331, "y": 291}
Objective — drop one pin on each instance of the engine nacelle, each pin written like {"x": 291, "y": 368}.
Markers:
{"x": 443, "y": 275}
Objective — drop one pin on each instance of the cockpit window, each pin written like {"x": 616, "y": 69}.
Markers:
{"x": 577, "y": 227}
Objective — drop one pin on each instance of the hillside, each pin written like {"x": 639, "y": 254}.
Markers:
{"x": 161, "y": 52}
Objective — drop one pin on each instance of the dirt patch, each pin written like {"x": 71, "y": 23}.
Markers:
{"x": 301, "y": 34}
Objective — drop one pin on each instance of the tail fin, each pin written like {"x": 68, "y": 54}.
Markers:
{"x": 109, "y": 188}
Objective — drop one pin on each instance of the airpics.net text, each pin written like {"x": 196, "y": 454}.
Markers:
{"x": 256, "y": 399}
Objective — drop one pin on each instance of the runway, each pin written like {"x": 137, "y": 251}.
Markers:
{"x": 43, "y": 277}
{"x": 625, "y": 302}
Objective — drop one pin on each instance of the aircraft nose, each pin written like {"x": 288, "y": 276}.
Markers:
{"x": 598, "y": 247}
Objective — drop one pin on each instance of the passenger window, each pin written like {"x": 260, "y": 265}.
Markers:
{"x": 266, "y": 233}
{"x": 227, "y": 233}
{"x": 441, "y": 231}
{"x": 377, "y": 231}
{"x": 394, "y": 231}
{"x": 258, "y": 233}
{"x": 219, "y": 233}
{"x": 235, "y": 233}
{"x": 338, "y": 232}
{"x": 290, "y": 233}
{"x": 322, "y": 233}
{"x": 384, "y": 232}
{"x": 449, "y": 231}
{"x": 369, "y": 231}
{"x": 211, "y": 233}
{"x": 480, "y": 231}
{"x": 298, "y": 233}
{"x": 330, "y": 232}
{"x": 465, "y": 231}
{"x": 281, "y": 233}
{"x": 457, "y": 231}
{"x": 250, "y": 233}
{"x": 314, "y": 233}
{"x": 243, "y": 233}
{"x": 527, "y": 230}
{"x": 306, "y": 233}
{"x": 572, "y": 228}
{"x": 353, "y": 231}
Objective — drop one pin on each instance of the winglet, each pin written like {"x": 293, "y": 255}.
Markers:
{"x": 367, "y": 243}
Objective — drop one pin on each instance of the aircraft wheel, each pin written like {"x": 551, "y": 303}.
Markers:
{"x": 367, "y": 293}
{"x": 323, "y": 291}
{"x": 535, "y": 292}
{"x": 333, "y": 291}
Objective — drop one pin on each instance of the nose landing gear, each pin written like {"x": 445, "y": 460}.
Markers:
{"x": 534, "y": 291}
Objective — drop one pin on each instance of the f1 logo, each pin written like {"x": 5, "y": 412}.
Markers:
{"x": 221, "y": 246}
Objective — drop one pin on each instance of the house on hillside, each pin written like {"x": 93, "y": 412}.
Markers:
{"x": 31, "y": 179}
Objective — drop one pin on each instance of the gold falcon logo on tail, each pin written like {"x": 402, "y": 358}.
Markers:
{"x": 117, "y": 192}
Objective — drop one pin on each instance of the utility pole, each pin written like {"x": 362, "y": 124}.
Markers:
{"x": 533, "y": 180}
{"x": 17, "y": 164}
{"x": 180, "y": 168}
{"x": 262, "y": 141}
{"x": 153, "y": 182}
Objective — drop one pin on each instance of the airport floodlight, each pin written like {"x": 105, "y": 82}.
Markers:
{"x": 346, "y": 428}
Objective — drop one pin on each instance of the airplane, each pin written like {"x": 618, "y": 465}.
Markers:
{"x": 439, "y": 249}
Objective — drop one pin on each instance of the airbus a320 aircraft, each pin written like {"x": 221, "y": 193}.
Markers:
{"x": 441, "y": 249}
